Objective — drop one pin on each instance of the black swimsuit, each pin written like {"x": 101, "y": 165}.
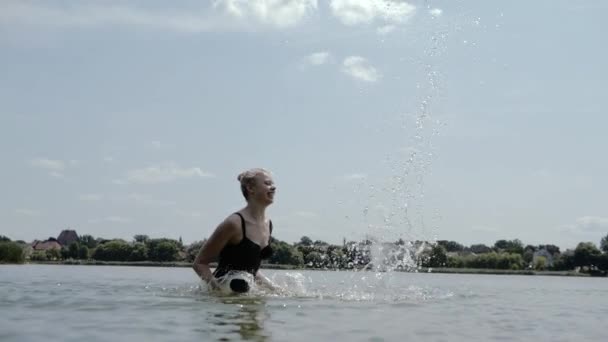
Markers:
{"x": 245, "y": 256}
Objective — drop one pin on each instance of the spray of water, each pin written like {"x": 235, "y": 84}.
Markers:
{"x": 401, "y": 236}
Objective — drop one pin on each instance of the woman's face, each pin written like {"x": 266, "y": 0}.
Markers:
{"x": 263, "y": 189}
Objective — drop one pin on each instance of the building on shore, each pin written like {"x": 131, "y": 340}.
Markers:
{"x": 67, "y": 236}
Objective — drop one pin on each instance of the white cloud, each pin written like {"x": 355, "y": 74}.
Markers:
{"x": 27, "y": 212}
{"x": 277, "y": 13}
{"x": 48, "y": 164}
{"x": 590, "y": 224}
{"x": 146, "y": 200}
{"x": 156, "y": 144}
{"x": 436, "y": 12}
{"x": 108, "y": 159}
{"x": 102, "y": 14}
{"x": 353, "y": 12}
{"x": 53, "y": 166}
{"x": 57, "y": 174}
{"x": 354, "y": 176}
{"x": 90, "y": 197}
{"x": 386, "y": 29}
{"x": 110, "y": 219}
{"x": 359, "y": 68}
{"x": 318, "y": 58}
{"x": 166, "y": 172}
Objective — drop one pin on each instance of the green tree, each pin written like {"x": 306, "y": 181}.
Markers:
{"x": 73, "y": 250}
{"x": 53, "y": 254}
{"x": 88, "y": 240}
{"x": 285, "y": 254}
{"x": 11, "y": 252}
{"x": 141, "y": 238}
{"x": 115, "y": 250}
{"x": 564, "y": 261}
{"x": 552, "y": 249}
{"x": 455, "y": 262}
{"x": 305, "y": 241}
{"x": 509, "y": 246}
{"x": 159, "y": 250}
{"x": 313, "y": 259}
{"x": 516, "y": 261}
{"x": 528, "y": 256}
{"x": 83, "y": 252}
{"x": 585, "y": 253}
{"x": 164, "y": 251}
{"x": 604, "y": 244}
{"x": 540, "y": 263}
{"x": 451, "y": 246}
{"x": 4, "y": 239}
{"x": 438, "y": 257}
{"x": 480, "y": 249}
{"x": 39, "y": 256}
{"x": 193, "y": 250}
{"x": 334, "y": 256}
{"x": 501, "y": 245}
{"x": 139, "y": 252}
{"x": 601, "y": 261}
{"x": 64, "y": 253}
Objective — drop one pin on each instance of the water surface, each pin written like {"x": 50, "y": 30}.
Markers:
{"x": 106, "y": 303}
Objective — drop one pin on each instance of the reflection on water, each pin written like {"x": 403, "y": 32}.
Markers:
{"x": 242, "y": 315}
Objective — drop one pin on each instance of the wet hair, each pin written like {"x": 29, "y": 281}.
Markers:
{"x": 247, "y": 178}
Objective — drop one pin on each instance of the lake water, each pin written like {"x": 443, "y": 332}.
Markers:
{"x": 103, "y": 303}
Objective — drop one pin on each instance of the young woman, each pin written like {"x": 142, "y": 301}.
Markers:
{"x": 242, "y": 240}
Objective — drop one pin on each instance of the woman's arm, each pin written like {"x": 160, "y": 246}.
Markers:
{"x": 212, "y": 247}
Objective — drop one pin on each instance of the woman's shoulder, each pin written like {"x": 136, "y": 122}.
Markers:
{"x": 232, "y": 223}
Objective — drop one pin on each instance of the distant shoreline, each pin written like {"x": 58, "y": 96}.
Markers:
{"x": 505, "y": 272}
{"x": 291, "y": 267}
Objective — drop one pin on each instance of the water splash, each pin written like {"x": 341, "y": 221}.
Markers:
{"x": 394, "y": 211}
{"x": 353, "y": 287}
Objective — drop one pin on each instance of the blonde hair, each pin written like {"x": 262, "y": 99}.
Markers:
{"x": 247, "y": 178}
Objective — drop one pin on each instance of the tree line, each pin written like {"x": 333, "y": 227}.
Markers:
{"x": 306, "y": 253}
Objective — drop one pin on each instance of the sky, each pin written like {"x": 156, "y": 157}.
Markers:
{"x": 471, "y": 121}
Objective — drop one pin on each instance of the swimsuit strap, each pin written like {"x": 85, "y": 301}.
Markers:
{"x": 270, "y": 235}
{"x": 242, "y": 224}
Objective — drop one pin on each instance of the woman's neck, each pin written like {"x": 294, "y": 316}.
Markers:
{"x": 256, "y": 211}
